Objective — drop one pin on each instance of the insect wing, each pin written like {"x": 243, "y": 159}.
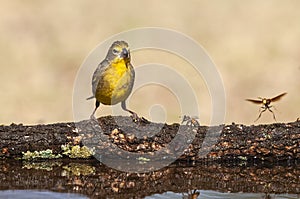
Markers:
{"x": 254, "y": 101}
{"x": 274, "y": 99}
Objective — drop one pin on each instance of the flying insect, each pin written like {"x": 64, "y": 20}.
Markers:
{"x": 266, "y": 104}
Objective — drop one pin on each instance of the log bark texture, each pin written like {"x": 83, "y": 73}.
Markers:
{"x": 107, "y": 135}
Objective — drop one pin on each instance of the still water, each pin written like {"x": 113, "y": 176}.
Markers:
{"x": 34, "y": 194}
{"x": 203, "y": 194}
{"x": 90, "y": 179}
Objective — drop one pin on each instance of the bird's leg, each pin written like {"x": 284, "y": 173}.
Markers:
{"x": 134, "y": 116}
{"x": 92, "y": 117}
{"x": 261, "y": 111}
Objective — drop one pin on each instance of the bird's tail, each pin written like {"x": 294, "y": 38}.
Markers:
{"x": 90, "y": 98}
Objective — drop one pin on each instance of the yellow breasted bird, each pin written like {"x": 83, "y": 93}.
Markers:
{"x": 113, "y": 78}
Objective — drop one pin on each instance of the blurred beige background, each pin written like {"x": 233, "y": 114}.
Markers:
{"x": 254, "y": 44}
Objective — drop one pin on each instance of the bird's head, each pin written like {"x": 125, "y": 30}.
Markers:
{"x": 118, "y": 51}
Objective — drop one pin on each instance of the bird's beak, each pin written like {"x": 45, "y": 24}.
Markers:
{"x": 125, "y": 53}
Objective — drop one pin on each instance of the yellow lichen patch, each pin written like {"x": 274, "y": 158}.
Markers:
{"x": 45, "y": 154}
{"x": 77, "y": 151}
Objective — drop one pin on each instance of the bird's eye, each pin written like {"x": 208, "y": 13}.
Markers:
{"x": 115, "y": 51}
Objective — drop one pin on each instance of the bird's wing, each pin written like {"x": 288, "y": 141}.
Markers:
{"x": 97, "y": 75}
{"x": 254, "y": 101}
{"x": 274, "y": 99}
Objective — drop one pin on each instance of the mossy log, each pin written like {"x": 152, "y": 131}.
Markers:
{"x": 235, "y": 142}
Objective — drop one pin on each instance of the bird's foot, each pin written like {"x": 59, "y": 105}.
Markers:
{"x": 137, "y": 119}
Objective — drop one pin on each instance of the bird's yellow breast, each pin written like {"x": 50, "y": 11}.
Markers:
{"x": 115, "y": 83}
